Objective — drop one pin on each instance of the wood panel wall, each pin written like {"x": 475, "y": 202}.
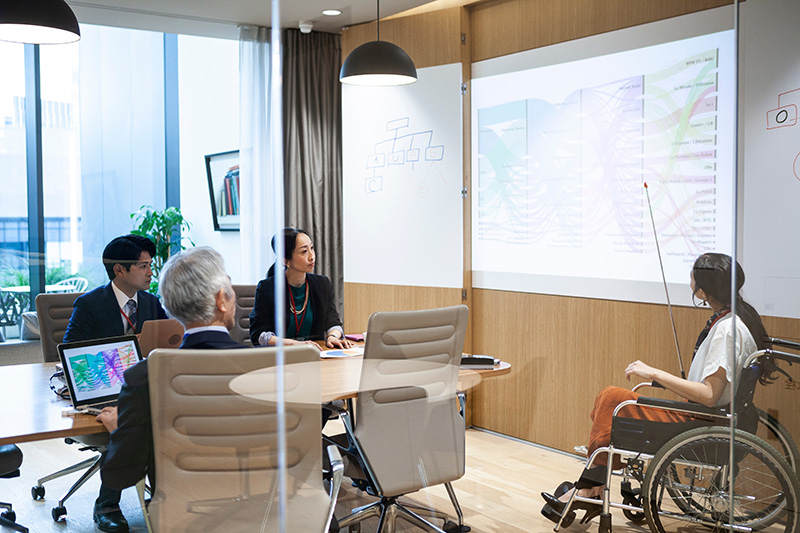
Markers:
{"x": 563, "y": 350}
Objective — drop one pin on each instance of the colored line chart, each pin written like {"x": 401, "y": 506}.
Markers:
{"x": 103, "y": 370}
{"x": 569, "y": 174}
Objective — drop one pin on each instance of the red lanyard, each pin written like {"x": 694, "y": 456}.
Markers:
{"x": 294, "y": 310}
{"x": 720, "y": 316}
{"x": 133, "y": 328}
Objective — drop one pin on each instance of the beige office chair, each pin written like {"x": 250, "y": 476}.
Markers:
{"x": 53, "y": 311}
{"x": 410, "y": 431}
{"x": 245, "y": 298}
{"x": 215, "y": 426}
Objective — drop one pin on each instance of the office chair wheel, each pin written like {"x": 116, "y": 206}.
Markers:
{"x": 452, "y": 527}
{"x": 11, "y": 516}
{"x": 59, "y": 513}
{"x": 37, "y": 492}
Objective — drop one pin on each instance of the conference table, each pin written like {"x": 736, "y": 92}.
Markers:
{"x": 30, "y": 411}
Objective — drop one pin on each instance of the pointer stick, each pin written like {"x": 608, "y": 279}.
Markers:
{"x": 664, "y": 278}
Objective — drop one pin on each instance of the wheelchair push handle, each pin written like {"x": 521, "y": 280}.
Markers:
{"x": 783, "y": 343}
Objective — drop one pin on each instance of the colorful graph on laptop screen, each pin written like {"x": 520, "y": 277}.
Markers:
{"x": 98, "y": 370}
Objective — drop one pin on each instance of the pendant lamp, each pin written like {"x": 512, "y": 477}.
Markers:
{"x": 378, "y": 63}
{"x": 38, "y": 22}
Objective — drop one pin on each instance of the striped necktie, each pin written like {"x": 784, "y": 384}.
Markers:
{"x": 131, "y": 307}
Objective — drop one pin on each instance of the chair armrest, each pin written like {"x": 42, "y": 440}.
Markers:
{"x": 337, "y": 471}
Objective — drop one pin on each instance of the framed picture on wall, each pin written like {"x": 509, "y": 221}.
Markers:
{"x": 223, "y": 189}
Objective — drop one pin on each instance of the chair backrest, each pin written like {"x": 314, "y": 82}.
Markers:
{"x": 53, "y": 311}
{"x": 409, "y": 425}
{"x": 75, "y": 284}
{"x": 245, "y": 298}
{"x": 215, "y": 437}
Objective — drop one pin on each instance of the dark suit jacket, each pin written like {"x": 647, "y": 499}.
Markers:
{"x": 130, "y": 450}
{"x": 95, "y": 315}
{"x": 320, "y": 290}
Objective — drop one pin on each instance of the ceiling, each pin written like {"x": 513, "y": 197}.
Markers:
{"x": 219, "y": 18}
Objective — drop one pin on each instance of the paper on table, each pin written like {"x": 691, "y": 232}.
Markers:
{"x": 333, "y": 354}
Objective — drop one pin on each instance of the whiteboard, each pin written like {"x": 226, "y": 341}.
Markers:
{"x": 402, "y": 165}
{"x": 770, "y": 210}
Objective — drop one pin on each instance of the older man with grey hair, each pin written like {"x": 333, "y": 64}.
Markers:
{"x": 196, "y": 290}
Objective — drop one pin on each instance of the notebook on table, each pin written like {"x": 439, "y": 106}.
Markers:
{"x": 94, "y": 370}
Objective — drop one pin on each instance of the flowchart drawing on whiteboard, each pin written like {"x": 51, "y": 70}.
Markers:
{"x": 785, "y": 115}
{"x": 403, "y": 149}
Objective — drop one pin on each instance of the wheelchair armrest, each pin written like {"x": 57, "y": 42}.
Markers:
{"x": 683, "y": 406}
{"x": 644, "y": 384}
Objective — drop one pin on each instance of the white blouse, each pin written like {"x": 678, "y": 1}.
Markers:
{"x": 715, "y": 353}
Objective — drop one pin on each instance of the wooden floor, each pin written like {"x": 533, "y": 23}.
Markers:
{"x": 499, "y": 493}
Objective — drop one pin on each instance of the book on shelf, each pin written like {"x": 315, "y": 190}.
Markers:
{"x": 229, "y": 193}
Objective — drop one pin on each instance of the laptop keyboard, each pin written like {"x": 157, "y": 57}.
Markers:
{"x": 96, "y": 408}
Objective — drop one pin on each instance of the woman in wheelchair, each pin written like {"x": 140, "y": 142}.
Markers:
{"x": 708, "y": 381}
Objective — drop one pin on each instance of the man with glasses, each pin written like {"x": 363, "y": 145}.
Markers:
{"x": 118, "y": 308}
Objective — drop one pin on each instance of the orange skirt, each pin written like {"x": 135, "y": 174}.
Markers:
{"x": 603, "y": 411}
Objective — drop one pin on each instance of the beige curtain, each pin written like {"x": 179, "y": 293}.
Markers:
{"x": 257, "y": 226}
{"x": 313, "y": 145}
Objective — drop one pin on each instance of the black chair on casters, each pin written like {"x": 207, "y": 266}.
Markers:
{"x": 10, "y": 461}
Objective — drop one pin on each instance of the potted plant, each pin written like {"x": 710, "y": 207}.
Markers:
{"x": 166, "y": 229}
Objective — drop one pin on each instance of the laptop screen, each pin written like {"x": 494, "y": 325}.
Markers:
{"x": 94, "y": 369}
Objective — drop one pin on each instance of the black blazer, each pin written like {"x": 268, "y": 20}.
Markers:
{"x": 130, "y": 452}
{"x": 95, "y": 315}
{"x": 320, "y": 290}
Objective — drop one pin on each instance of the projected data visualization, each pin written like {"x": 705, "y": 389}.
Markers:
{"x": 559, "y": 181}
{"x": 94, "y": 372}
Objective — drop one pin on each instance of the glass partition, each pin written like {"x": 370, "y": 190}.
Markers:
{"x": 13, "y": 184}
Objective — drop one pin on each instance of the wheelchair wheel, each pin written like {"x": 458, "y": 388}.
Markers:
{"x": 687, "y": 485}
{"x": 776, "y": 434}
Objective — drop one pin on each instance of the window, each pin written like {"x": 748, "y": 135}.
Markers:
{"x": 13, "y": 201}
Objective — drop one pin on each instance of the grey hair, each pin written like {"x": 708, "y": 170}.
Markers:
{"x": 189, "y": 283}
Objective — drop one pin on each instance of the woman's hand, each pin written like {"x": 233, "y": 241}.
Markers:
{"x": 333, "y": 341}
{"x": 289, "y": 342}
{"x": 640, "y": 369}
{"x": 108, "y": 417}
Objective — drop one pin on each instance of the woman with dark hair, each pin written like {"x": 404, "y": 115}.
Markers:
{"x": 708, "y": 382}
{"x": 310, "y": 306}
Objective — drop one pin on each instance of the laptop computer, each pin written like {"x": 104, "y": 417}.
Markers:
{"x": 94, "y": 369}
{"x": 162, "y": 333}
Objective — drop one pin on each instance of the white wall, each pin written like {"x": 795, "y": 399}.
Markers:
{"x": 209, "y": 124}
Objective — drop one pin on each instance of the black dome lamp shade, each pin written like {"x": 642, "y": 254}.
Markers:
{"x": 38, "y": 22}
{"x": 379, "y": 64}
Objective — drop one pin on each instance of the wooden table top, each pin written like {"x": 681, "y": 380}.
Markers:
{"x": 30, "y": 411}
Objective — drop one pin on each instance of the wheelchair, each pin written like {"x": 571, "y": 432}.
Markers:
{"x": 689, "y": 476}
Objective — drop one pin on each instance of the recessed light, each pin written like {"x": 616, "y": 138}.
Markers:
{"x": 332, "y": 12}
